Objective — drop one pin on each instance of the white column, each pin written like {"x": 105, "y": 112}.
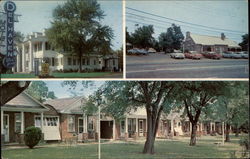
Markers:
{"x": 211, "y": 127}
{"x": 85, "y": 127}
{"x": 201, "y": 126}
{"x": 31, "y": 59}
{"x": 23, "y": 58}
{"x": 1, "y": 121}
{"x": 43, "y": 46}
{"x": 114, "y": 129}
{"x": 172, "y": 126}
{"x": 126, "y": 125}
{"x": 18, "y": 62}
{"x": 223, "y": 140}
{"x": 136, "y": 126}
{"x": 190, "y": 127}
{"x": 42, "y": 121}
{"x": 22, "y": 122}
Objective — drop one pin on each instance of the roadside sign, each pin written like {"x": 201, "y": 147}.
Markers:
{"x": 10, "y": 59}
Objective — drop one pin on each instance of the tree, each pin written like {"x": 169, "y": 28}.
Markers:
{"x": 245, "y": 43}
{"x": 76, "y": 29}
{"x": 11, "y": 89}
{"x": 155, "y": 96}
{"x": 18, "y": 37}
{"x": 172, "y": 39}
{"x": 196, "y": 97}
{"x": 40, "y": 91}
{"x": 232, "y": 107}
{"x": 143, "y": 37}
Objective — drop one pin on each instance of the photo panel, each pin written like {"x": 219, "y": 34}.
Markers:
{"x": 187, "y": 39}
{"x": 124, "y": 119}
{"x": 61, "y": 39}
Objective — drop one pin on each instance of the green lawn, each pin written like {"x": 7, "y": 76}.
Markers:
{"x": 172, "y": 149}
{"x": 177, "y": 148}
{"x": 66, "y": 75}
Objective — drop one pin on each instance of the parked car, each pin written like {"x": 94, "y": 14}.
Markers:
{"x": 212, "y": 55}
{"x": 142, "y": 51}
{"x": 236, "y": 55}
{"x": 193, "y": 55}
{"x": 177, "y": 55}
{"x": 244, "y": 54}
{"x": 227, "y": 54}
{"x": 137, "y": 51}
{"x": 151, "y": 50}
{"x": 132, "y": 51}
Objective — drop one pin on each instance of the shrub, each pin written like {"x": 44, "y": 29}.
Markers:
{"x": 32, "y": 136}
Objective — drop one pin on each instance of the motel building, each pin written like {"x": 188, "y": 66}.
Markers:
{"x": 205, "y": 43}
{"x": 36, "y": 49}
{"x": 64, "y": 121}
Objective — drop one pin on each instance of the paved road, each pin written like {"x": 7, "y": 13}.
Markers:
{"x": 162, "y": 66}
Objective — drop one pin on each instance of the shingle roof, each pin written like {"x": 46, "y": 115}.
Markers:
{"x": 63, "y": 103}
{"x": 212, "y": 40}
{"x": 23, "y": 100}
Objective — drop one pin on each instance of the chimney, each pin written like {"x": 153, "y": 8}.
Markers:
{"x": 187, "y": 34}
{"x": 223, "y": 37}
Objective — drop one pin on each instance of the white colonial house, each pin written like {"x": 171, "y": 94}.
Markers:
{"x": 36, "y": 48}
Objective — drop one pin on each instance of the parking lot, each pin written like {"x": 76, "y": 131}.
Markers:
{"x": 160, "y": 65}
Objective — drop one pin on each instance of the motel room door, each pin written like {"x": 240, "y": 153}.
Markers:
{"x": 140, "y": 127}
{"x": 6, "y": 127}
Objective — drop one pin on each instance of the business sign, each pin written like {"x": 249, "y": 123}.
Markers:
{"x": 3, "y": 38}
{"x": 10, "y": 59}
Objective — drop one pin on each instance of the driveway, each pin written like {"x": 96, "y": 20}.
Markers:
{"x": 160, "y": 65}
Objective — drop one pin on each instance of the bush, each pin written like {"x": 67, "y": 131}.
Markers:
{"x": 32, "y": 136}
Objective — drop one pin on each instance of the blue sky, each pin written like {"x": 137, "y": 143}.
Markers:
{"x": 64, "y": 91}
{"x": 229, "y": 15}
{"x": 37, "y": 15}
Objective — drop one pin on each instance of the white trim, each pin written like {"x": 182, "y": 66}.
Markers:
{"x": 32, "y": 110}
{"x": 74, "y": 123}
{"x": 15, "y": 121}
{"x": 114, "y": 129}
{"x": 8, "y": 123}
{"x": 1, "y": 121}
{"x": 139, "y": 130}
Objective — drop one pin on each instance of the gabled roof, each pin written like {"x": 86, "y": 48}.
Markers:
{"x": 26, "y": 102}
{"x": 67, "y": 105}
{"x": 212, "y": 40}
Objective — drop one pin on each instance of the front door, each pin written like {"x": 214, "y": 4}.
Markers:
{"x": 140, "y": 127}
{"x": 6, "y": 127}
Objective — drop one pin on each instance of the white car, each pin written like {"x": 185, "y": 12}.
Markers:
{"x": 236, "y": 55}
{"x": 177, "y": 55}
{"x": 227, "y": 54}
{"x": 244, "y": 54}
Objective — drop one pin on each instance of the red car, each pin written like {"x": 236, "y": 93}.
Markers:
{"x": 193, "y": 55}
{"x": 212, "y": 55}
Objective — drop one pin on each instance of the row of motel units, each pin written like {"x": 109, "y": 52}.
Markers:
{"x": 36, "y": 47}
{"x": 204, "y": 43}
{"x": 63, "y": 120}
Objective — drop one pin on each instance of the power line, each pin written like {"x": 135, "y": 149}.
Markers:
{"x": 164, "y": 28}
{"x": 183, "y": 21}
{"x": 136, "y": 16}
